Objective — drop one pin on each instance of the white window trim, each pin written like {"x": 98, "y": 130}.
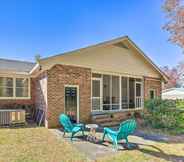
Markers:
{"x": 101, "y": 93}
{"x": 120, "y": 104}
{"x": 141, "y": 83}
{"x": 14, "y": 88}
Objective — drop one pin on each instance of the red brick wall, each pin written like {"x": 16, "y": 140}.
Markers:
{"x": 58, "y": 77}
{"x": 17, "y": 103}
{"x": 152, "y": 83}
{"x": 50, "y": 95}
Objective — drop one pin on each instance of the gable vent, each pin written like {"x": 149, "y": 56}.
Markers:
{"x": 121, "y": 45}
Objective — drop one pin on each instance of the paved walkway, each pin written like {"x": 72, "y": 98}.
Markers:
{"x": 91, "y": 150}
{"x": 97, "y": 150}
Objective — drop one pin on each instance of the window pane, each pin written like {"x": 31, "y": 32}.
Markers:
{"x": 95, "y": 75}
{"x": 21, "y": 82}
{"x": 6, "y": 82}
{"x": 115, "y": 107}
{"x": 152, "y": 94}
{"x": 138, "y": 90}
{"x": 95, "y": 88}
{"x": 6, "y": 87}
{"x": 131, "y": 93}
{"x": 115, "y": 90}
{"x": 106, "y": 107}
{"x": 6, "y": 92}
{"x": 124, "y": 93}
{"x": 96, "y": 104}
{"x": 21, "y": 92}
{"x": 106, "y": 89}
{"x": 22, "y": 87}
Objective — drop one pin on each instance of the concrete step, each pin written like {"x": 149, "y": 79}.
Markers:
{"x": 100, "y": 116}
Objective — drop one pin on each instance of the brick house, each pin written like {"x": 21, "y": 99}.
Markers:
{"x": 113, "y": 77}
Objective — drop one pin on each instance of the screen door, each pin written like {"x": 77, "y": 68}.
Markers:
{"x": 71, "y": 102}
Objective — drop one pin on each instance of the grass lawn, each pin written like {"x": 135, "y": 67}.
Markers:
{"x": 149, "y": 151}
{"x": 41, "y": 145}
{"x": 35, "y": 145}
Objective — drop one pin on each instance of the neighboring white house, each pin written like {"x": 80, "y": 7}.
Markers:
{"x": 173, "y": 93}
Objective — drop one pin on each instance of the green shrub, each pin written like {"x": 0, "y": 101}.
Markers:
{"x": 180, "y": 104}
{"x": 163, "y": 114}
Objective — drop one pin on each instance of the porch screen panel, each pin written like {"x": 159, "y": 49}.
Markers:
{"x": 96, "y": 95}
{"x": 106, "y": 92}
{"x": 138, "y": 101}
{"x": 115, "y": 92}
{"x": 131, "y": 93}
{"x": 124, "y": 92}
{"x": 138, "y": 90}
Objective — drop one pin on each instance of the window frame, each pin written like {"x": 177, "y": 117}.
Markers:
{"x": 154, "y": 92}
{"x": 120, "y": 102}
{"x": 14, "y": 88}
{"x": 101, "y": 94}
{"x": 9, "y": 87}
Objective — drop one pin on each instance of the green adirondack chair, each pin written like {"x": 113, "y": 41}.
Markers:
{"x": 126, "y": 128}
{"x": 69, "y": 127}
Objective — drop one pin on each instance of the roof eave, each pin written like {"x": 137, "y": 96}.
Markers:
{"x": 10, "y": 72}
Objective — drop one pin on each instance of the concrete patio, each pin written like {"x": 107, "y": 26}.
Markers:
{"x": 104, "y": 149}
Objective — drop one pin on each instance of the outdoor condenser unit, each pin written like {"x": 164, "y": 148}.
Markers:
{"x": 10, "y": 117}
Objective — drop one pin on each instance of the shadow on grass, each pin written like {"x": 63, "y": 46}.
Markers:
{"x": 160, "y": 138}
{"x": 160, "y": 154}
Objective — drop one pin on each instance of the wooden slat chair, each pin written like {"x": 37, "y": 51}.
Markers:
{"x": 126, "y": 128}
{"x": 69, "y": 127}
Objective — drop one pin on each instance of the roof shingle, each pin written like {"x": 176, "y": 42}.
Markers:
{"x": 16, "y": 65}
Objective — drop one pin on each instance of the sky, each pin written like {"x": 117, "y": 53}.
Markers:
{"x": 49, "y": 27}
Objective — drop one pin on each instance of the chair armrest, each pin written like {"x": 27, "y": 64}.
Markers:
{"x": 110, "y": 131}
{"x": 78, "y": 125}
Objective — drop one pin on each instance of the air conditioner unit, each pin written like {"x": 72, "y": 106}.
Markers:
{"x": 11, "y": 117}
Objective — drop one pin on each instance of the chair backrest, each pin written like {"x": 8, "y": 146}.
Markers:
{"x": 126, "y": 128}
{"x": 64, "y": 120}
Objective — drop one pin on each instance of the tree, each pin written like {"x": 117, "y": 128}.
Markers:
{"x": 174, "y": 10}
{"x": 175, "y": 74}
{"x": 37, "y": 58}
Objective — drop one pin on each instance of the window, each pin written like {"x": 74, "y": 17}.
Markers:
{"x": 21, "y": 87}
{"x": 131, "y": 93}
{"x": 96, "y": 88}
{"x": 14, "y": 87}
{"x": 111, "y": 92}
{"x": 152, "y": 93}
{"x": 106, "y": 92}
{"x": 6, "y": 87}
{"x": 115, "y": 93}
{"x": 96, "y": 96}
{"x": 124, "y": 92}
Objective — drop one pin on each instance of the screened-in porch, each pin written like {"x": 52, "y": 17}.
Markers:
{"x": 116, "y": 92}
